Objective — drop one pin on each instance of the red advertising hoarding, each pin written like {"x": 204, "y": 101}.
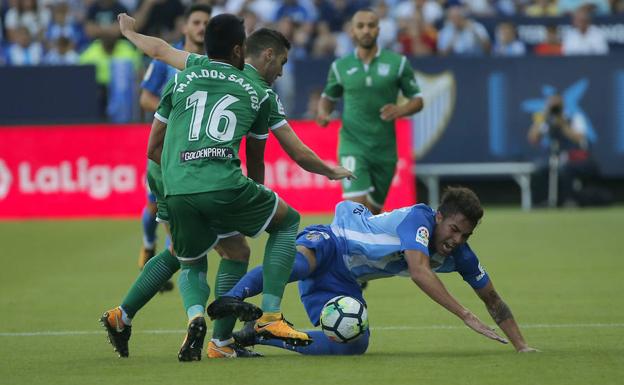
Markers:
{"x": 99, "y": 170}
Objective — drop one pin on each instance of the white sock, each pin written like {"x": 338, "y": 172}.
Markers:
{"x": 223, "y": 343}
{"x": 124, "y": 317}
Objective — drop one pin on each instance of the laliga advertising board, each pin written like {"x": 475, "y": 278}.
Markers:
{"x": 99, "y": 171}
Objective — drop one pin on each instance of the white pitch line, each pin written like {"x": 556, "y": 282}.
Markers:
{"x": 380, "y": 328}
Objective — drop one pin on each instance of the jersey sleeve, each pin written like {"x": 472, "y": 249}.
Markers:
{"x": 468, "y": 266}
{"x": 166, "y": 104}
{"x": 407, "y": 80}
{"x": 277, "y": 116}
{"x": 196, "y": 60}
{"x": 260, "y": 128}
{"x": 155, "y": 77}
{"x": 415, "y": 232}
{"x": 333, "y": 88}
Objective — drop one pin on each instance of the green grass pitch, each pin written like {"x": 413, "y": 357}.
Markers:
{"x": 562, "y": 273}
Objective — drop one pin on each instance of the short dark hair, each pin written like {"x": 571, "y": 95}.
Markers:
{"x": 265, "y": 38}
{"x": 197, "y": 8}
{"x": 223, "y": 32}
{"x": 461, "y": 200}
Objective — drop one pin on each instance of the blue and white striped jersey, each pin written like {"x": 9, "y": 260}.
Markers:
{"x": 372, "y": 246}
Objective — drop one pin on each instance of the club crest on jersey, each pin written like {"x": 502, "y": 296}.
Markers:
{"x": 383, "y": 69}
{"x": 316, "y": 235}
{"x": 422, "y": 236}
{"x": 280, "y": 106}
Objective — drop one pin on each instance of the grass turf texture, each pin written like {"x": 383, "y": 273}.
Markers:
{"x": 560, "y": 272}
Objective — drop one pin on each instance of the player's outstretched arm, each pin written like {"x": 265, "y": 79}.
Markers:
{"x": 305, "y": 157}
{"x": 156, "y": 140}
{"x": 425, "y": 278}
{"x": 501, "y": 314}
{"x": 153, "y": 47}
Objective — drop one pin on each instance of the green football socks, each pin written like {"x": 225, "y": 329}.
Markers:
{"x": 229, "y": 273}
{"x": 193, "y": 287}
{"x": 279, "y": 255}
{"x": 155, "y": 273}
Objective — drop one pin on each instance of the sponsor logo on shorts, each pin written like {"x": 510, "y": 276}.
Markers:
{"x": 207, "y": 153}
{"x": 422, "y": 236}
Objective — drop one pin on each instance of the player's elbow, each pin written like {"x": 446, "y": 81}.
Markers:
{"x": 153, "y": 154}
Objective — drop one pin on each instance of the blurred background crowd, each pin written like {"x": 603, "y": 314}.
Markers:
{"x": 35, "y": 32}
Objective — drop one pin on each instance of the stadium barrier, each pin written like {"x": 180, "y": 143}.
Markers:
{"x": 99, "y": 171}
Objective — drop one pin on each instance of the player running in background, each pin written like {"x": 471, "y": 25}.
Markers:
{"x": 358, "y": 246}
{"x": 196, "y": 17}
{"x": 369, "y": 81}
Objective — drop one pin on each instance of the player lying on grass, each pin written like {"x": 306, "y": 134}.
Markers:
{"x": 358, "y": 246}
{"x": 264, "y": 53}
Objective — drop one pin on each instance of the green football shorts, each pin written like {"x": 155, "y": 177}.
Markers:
{"x": 155, "y": 185}
{"x": 198, "y": 221}
{"x": 373, "y": 178}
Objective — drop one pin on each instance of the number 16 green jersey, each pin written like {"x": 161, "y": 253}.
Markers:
{"x": 208, "y": 109}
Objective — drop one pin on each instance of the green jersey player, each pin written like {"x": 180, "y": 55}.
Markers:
{"x": 268, "y": 52}
{"x": 208, "y": 110}
{"x": 369, "y": 81}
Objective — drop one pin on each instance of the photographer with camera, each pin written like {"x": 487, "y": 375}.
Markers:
{"x": 567, "y": 158}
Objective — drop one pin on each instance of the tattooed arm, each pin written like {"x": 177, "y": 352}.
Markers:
{"x": 501, "y": 314}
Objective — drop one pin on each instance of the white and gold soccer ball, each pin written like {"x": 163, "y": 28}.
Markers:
{"x": 344, "y": 319}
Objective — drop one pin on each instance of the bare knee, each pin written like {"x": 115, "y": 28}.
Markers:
{"x": 234, "y": 248}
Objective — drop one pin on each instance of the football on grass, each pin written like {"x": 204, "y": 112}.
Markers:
{"x": 344, "y": 319}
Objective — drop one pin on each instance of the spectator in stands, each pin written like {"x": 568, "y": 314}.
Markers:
{"x": 158, "y": 17}
{"x": 551, "y": 45}
{"x": 64, "y": 25}
{"x": 507, "y": 43}
{"x": 294, "y": 10}
{"x": 62, "y": 53}
{"x": 26, "y": 13}
{"x": 388, "y": 27}
{"x": 298, "y": 37}
{"x": 101, "y": 53}
{"x": 416, "y": 38}
{"x": 600, "y": 7}
{"x": 336, "y": 12}
{"x": 251, "y": 20}
{"x": 461, "y": 35}
{"x": 24, "y": 51}
{"x": 542, "y": 8}
{"x": 344, "y": 41}
{"x": 563, "y": 135}
{"x": 480, "y": 7}
{"x": 102, "y": 19}
{"x": 430, "y": 10}
{"x": 617, "y": 6}
{"x": 584, "y": 38}
{"x": 324, "y": 43}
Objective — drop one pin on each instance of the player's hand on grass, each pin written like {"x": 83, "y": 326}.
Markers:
{"x": 475, "y": 324}
{"x": 389, "y": 112}
{"x": 126, "y": 23}
{"x": 528, "y": 349}
{"x": 340, "y": 172}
